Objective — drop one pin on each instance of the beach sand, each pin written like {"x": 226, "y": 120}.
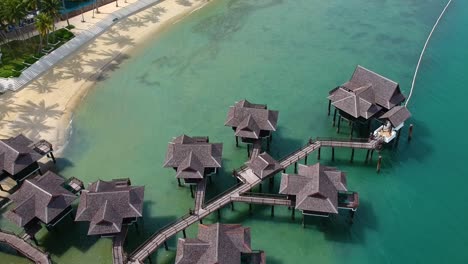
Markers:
{"x": 43, "y": 109}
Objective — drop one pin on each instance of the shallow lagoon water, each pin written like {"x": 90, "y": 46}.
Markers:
{"x": 287, "y": 54}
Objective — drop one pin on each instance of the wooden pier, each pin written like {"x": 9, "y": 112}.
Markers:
{"x": 200, "y": 195}
{"x": 118, "y": 253}
{"x": 239, "y": 192}
{"x": 26, "y": 249}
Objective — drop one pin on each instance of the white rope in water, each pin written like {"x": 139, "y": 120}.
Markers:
{"x": 424, "y": 50}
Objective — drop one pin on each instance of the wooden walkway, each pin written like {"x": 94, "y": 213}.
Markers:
{"x": 200, "y": 195}
{"x": 235, "y": 194}
{"x": 118, "y": 253}
{"x": 256, "y": 149}
{"x": 31, "y": 252}
{"x": 262, "y": 199}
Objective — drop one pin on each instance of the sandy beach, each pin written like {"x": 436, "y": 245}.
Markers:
{"x": 43, "y": 109}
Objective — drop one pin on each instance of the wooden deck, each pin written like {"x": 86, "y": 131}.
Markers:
{"x": 200, "y": 195}
{"x": 262, "y": 199}
{"x": 236, "y": 194}
{"x": 118, "y": 253}
{"x": 28, "y": 250}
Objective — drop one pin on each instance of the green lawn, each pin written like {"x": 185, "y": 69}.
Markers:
{"x": 19, "y": 54}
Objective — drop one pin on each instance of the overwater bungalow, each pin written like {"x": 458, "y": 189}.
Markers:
{"x": 42, "y": 199}
{"x": 193, "y": 158}
{"x": 218, "y": 244}
{"x": 108, "y": 205}
{"x": 251, "y": 122}
{"x": 366, "y": 96}
{"x": 318, "y": 190}
{"x": 19, "y": 157}
{"x": 264, "y": 165}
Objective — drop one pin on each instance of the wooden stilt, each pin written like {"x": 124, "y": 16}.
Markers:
{"x": 248, "y": 150}
{"x": 271, "y": 137}
{"x": 352, "y": 155}
{"x": 367, "y": 156}
{"x": 293, "y": 212}
{"x": 303, "y": 221}
{"x": 260, "y": 187}
{"x": 379, "y": 164}
{"x": 250, "y": 208}
{"x": 268, "y": 144}
{"x": 305, "y": 159}
{"x": 318, "y": 153}
{"x": 136, "y": 227}
{"x": 33, "y": 238}
{"x": 333, "y": 154}
{"x": 237, "y": 141}
{"x": 165, "y": 246}
{"x": 284, "y": 170}
{"x": 201, "y": 221}
{"x": 369, "y": 126}
{"x": 52, "y": 156}
{"x": 352, "y": 130}
{"x": 410, "y": 133}
{"x": 183, "y": 233}
{"x": 210, "y": 178}
{"x": 191, "y": 191}
{"x": 329, "y": 106}
{"x": 149, "y": 259}
{"x": 271, "y": 181}
{"x": 178, "y": 182}
{"x": 398, "y": 137}
{"x": 232, "y": 206}
{"x": 371, "y": 155}
{"x": 272, "y": 210}
{"x": 219, "y": 214}
{"x": 339, "y": 123}
{"x": 39, "y": 170}
{"x": 295, "y": 167}
{"x": 334, "y": 117}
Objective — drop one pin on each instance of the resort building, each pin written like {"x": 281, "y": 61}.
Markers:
{"x": 110, "y": 205}
{"x": 193, "y": 158}
{"x": 366, "y": 96}
{"x": 251, "y": 122}
{"x": 264, "y": 165}
{"x": 218, "y": 244}
{"x": 42, "y": 199}
{"x": 19, "y": 156}
{"x": 318, "y": 190}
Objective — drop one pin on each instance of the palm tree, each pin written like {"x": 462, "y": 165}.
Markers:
{"x": 13, "y": 12}
{"x": 52, "y": 9}
{"x": 44, "y": 23}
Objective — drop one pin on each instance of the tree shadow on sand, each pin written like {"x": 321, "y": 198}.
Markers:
{"x": 184, "y": 2}
{"x": 114, "y": 37}
{"x": 130, "y": 22}
{"x": 153, "y": 16}
{"x": 46, "y": 83}
{"x": 31, "y": 126}
{"x": 39, "y": 110}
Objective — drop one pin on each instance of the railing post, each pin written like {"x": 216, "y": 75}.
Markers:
{"x": 379, "y": 163}
{"x": 410, "y": 133}
{"x": 352, "y": 155}
{"x": 367, "y": 156}
{"x": 334, "y": 117}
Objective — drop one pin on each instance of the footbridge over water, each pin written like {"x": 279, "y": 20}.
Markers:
{"x": 239, "y": 192}
{"x": 26, "y": 249}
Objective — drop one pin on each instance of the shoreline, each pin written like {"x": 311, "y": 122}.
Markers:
{"x": 44, "y": 108}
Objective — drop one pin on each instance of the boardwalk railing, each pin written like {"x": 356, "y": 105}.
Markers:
{"x": 31, "y": 252}
{"x": 239, "y": 192}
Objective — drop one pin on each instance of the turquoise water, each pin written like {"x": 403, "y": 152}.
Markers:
{"x": 287, "y": 54}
